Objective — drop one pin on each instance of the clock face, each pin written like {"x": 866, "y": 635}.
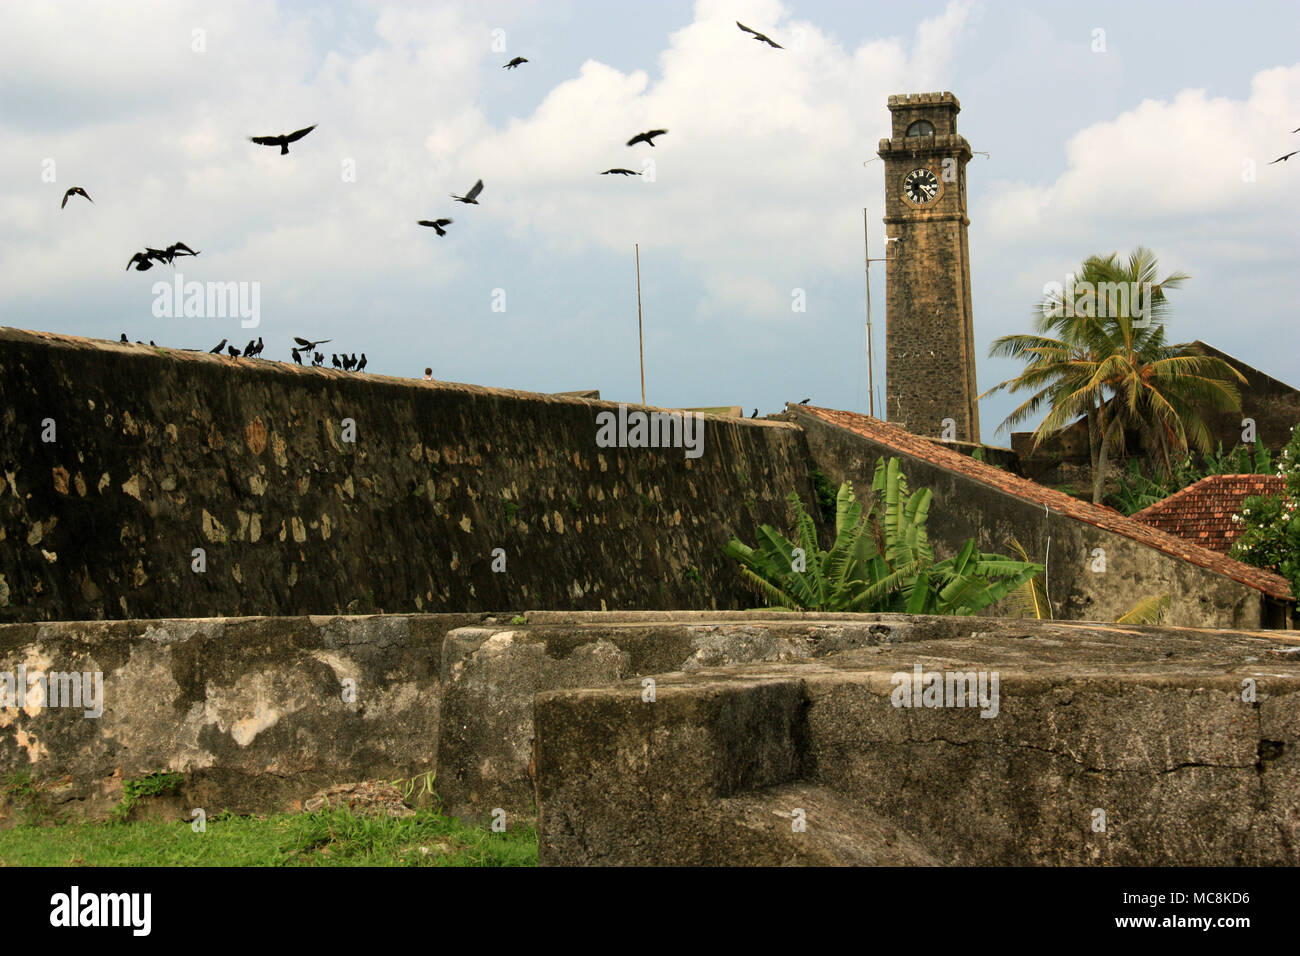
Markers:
{"x": 920, "y": 187}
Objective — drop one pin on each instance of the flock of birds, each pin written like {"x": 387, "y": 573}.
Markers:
{"x": 1282, "y": 159}
{"x": 145, "y": 260}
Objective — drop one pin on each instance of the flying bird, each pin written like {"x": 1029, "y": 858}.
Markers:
{"x": 308, "y": 346}
{"x": 219, "y": 346}
{"x": 74, "y": 191}
{"x": 469, "y": 197}
{"x": 362, "y": 363}
{"x": 296, "y": 357}
{"x": 762, "y": 38}
{"x": 437, "y": 224}
{"x": 282, "y": 140}
{"x": 141, "y": 262}
{"x": 514, "y": 63}
{"x": 621, "y": 172}
{"x": 179, "y": 249}
{"x": 646, "y": 137}
{"x": 1286, "y": 157}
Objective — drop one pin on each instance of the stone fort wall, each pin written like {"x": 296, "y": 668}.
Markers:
{"x": 154, "y": 453}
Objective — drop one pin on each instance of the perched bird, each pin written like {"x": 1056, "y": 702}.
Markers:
{"x": 755, "y": 415}
{"x": 354, "y": 359}
{"x": 437, "y": 224}
{"x": 347, "y": 363}
{"x": 362, "y": 363}
{"x": 514, "y": 63}
{"x": 153, "y": 343}
{"x": 620, "y": 172}
{"x": 760, "y": 37}
{"x": 217, "y": 349}
{"x": 141, "y": 262}
{"x": 805, "y": 401}
{"x": 248, "y": 349}
{"x": 74, "y": 191}
{"x": 648, "y": 137}
{"x": 318, "y": 359}
{"x": 234, "y": 352}
{"x": 469, "y": 197}
{"x": 282, "y": 140}
{"x": 123, "y": 339}
{"x": 296, "y": 357}
{"x": 258, "y": 349}
{"x": 337, "y": 363}
{"x": 1286, "y": 157}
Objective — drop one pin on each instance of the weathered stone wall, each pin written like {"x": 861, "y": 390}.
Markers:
{"x": 256, "y": 712}
{"x": 965, "y": 508}
{"x": 156, "y": 453}
{"x": 1107, "y": 745}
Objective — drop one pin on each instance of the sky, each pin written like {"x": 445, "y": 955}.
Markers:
{"x": 1099, "y": 127}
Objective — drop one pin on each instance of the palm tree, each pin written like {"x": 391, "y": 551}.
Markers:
{"x": 1099, "y": 351}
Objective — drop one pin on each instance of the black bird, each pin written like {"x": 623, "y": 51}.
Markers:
{"x": 159, "y": 255}
{"x": 179, "y": 249}
{"x": 348, "y": 362}
{"x": 248, "y": 349}
{"x": 755, "y": 415}
{"x": 258, "y": 350}
{"x": 141, "y": 262}
{"x": 354, "y": 359}
{"x": 308, "y": 346}
{"x": 123, "y": 339}
{"x": 337, "y": 363}
{"x": 437, "y": 224}
{"x": 648, "y": 137}
{"x": 1297, "y": 130}
{"x": 760, "y": 37}
{"x": 469, "y": 197}
{"x": 282, "y": 140}
{"x": 514, "y": 63}
{"x": 362, "y": 363}
{"x": 318, "y": 360}
{"x": 153, "y": 343}
{"x": 1286, "y": 157}
{"x": 805, "y": 401}
{"x": 217, "y": 349}
{"x": 620, "y": 172}
{"x": 234, "y": 352}
{"x": 74, "y": 191}
{"x": 296, "y": 357}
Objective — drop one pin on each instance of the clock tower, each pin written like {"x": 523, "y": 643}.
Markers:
{"x": 929, "y": 332}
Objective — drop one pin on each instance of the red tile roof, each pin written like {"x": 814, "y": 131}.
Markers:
{"x": 1107, "y": 519}
{"x": 1202, "y": 512}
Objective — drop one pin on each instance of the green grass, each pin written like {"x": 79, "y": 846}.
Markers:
{"x": 324, "y": 838}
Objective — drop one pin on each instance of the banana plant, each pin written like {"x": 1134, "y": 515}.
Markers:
{"x": 881, "y": 559}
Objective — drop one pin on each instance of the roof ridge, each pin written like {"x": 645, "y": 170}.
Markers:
{"x": 1107, "y": 519}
